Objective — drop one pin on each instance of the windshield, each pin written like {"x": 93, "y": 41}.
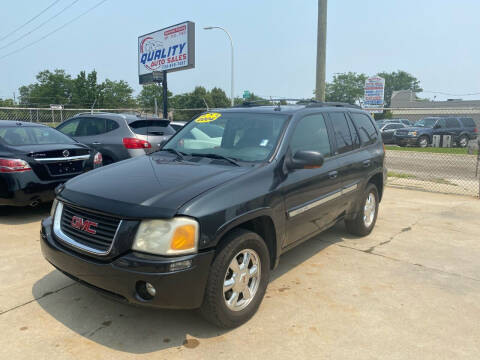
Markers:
{"x": 33, "y": 135}
{"x": 250, "y": 137}
{"x": 427, "y": 122}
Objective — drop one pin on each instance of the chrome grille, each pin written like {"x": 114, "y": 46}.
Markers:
{"x": 99, "y": 242}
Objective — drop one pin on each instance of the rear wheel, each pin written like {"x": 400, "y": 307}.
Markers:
{"x": 365, "y": 220}
{"x": 238, "y": 280}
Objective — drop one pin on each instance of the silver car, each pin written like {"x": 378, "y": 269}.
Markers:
{"x": 118, "y": 136}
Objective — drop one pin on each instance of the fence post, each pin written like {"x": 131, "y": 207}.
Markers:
{"x": 53, "y": 117}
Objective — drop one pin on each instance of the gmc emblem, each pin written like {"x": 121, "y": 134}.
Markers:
{"x": 84, "y": 225}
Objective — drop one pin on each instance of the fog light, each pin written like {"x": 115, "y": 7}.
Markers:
{"x": 180, "y": 265}
{"x": 150, "y": 289}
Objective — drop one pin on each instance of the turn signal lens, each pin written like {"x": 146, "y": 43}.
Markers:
{"x": 13, "y": 165}
{"x": 183, "y": 238}
{"x": 98, "y": 159}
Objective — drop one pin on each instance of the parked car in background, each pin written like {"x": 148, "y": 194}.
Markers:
{"x": 177, "y": 125}
{"x": 118, "y": 136}
{"x": 202, "y": 222}
{"x": 402, "y": 121}
{"x": 388, "y": 130}
{"x": 35, "y": 158}
{"x": 462, "y": 129}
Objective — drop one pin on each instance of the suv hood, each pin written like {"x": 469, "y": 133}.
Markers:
{"x": 153, "y": 186}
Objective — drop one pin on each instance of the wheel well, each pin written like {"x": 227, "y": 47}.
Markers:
{"x": 377, "y": 180}
{"x": 263, "y": 226}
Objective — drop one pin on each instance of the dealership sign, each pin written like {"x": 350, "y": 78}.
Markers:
{"x": 169, "y": 49}
{"x": 374, "y": 94}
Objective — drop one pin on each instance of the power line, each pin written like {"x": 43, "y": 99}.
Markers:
{"x": 29, "y": 21}
{"x": 448, "y": 94}
{"x": 53, "y": 31}
{"x": 39, "y": 26}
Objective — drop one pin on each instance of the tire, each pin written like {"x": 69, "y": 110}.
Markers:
{"x": 214, "y": 307}
{"x": 359, "y": 225}
{"x": 463, "y": 141}
{"x": 423, "y": 141}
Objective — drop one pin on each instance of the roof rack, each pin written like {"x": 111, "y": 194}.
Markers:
{"x": 315, "y": 103}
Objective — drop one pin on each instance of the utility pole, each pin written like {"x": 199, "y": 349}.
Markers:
{"x": 321, "y": 50}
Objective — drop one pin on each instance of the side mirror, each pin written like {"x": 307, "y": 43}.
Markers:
{"x": 306, "y": 159}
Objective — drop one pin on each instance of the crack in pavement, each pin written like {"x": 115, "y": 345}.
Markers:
{"x": 48, "y": 293}
{"x": 408, "y": 228}
{"x": 409, "y": 263}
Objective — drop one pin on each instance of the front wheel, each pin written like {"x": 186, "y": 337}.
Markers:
{"x": 365, "y": 220}
{"x": 463, "y": 141}
{"x": 238, "y": 280}
{"x": 423, "y": 141}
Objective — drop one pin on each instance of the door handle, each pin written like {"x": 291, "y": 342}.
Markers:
{"x": 333, "y": 174}
{"x": 366, "y": 163}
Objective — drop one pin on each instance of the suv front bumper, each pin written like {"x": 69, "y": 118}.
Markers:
{"x": 119, "y": 278}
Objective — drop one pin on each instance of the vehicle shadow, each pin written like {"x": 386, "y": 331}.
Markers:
{"x": 12, "y": 215}
{"x": 138, "y": 330}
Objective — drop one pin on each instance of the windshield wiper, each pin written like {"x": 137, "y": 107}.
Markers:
{"x": 217, "y": 156}
{"x": 178, "y": 153}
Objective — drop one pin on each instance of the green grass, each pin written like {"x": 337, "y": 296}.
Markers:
{"x": 400, "y": 175}
{"x": 461, "y": 151}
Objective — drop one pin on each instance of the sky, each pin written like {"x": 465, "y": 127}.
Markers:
{"x": 274, "y": 41}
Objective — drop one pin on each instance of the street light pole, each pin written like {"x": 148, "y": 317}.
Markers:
{"x": 321, "y": 50}
{"x": 231, "y": 44}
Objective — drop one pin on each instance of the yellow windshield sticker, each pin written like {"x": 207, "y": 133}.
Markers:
{"x": 208, "y": 117}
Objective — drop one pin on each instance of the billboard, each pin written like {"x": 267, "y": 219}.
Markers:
{"x": 168, "y": 49}
{"x": 374, "y": 94}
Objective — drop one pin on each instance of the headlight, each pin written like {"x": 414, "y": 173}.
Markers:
{"x": 177, "y": 236}
{"x": 54, "y": 207}
{"x": 412, "y": 133}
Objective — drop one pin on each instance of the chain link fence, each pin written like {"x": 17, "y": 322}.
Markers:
{"x": 451, "y": 169}
{"x": 447, "y": 164}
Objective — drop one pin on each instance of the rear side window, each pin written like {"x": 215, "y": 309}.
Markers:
{"x": 342, "y": 132}
{"x": 151, "y": 127}
{"x": 452, "y": 123}
{"x": 111, "y": 125}
{"x": 311, "y": 134}
{"x": 367, "y": 131}
{"x": 90, "y": 127}
{"x": 468, "y": 122}
{"x": 354, "y": 133}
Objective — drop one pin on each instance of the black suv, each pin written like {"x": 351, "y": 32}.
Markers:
{"x": 202, "y": 222}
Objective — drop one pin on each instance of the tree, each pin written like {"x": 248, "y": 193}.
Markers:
{"x": 51, "y": 88}
{"x": 399, "y": 80}
{"x": 346, "y": 87}
{"x": 85, "y": 90}
{"x": 217, "y": 98}
{"x": 7, "y": 103}
{"x": 115, "y": 94}
{"x": 150, "y": 92}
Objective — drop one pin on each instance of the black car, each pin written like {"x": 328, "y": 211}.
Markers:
{"x": 117, "y": 136}
{"x": 388, "y": 130}
{"x": 34, "y": 159}
{"x": 201, "y": 223}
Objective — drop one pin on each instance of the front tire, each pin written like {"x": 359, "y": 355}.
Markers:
{"x": 365, "y": 220}
{"x": 423, "y": 141}
{"x": 237, "y": 281}
{"x": 463, "y": 141}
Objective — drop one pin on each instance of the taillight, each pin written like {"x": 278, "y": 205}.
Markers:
{"x": 134, "y": 143}
{"x": 98, "y": 159}
{"x": 13, "y": 165}
{"x": 475, "y": 130}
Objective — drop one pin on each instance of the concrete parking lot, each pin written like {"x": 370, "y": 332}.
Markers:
{"x": 410, "y": 290}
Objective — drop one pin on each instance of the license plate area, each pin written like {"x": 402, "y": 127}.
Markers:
{"x": 65, "y": 168}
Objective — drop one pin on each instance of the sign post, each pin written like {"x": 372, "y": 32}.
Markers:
{"x": 166, "y": 50}
{"x": 374, "y": 94}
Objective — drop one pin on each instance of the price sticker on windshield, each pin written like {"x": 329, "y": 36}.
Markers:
{"x": 208, "y": 117}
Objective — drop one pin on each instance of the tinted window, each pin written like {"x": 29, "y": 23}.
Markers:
{"x": 111, "y": 125}
{"x": 69, "y": 127}
{"x": 17, "y": 136}
{"x": 452, "y": 123}
{"x": 367, "y": 131}
{"x": 468, "y": 122}
{"x": 342, "y": 132}
{"x": 90, "y": 127}
{"x": 441, "y": 123}
{"x": 152, "y": 127}
{"x": 311, "y": 134}
{"x": 393, "y": 127}
{"x": 354, "y": 134}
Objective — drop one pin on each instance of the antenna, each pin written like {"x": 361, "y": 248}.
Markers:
{"x": 205, "y": 103}
{"x": 93, "y": 105}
